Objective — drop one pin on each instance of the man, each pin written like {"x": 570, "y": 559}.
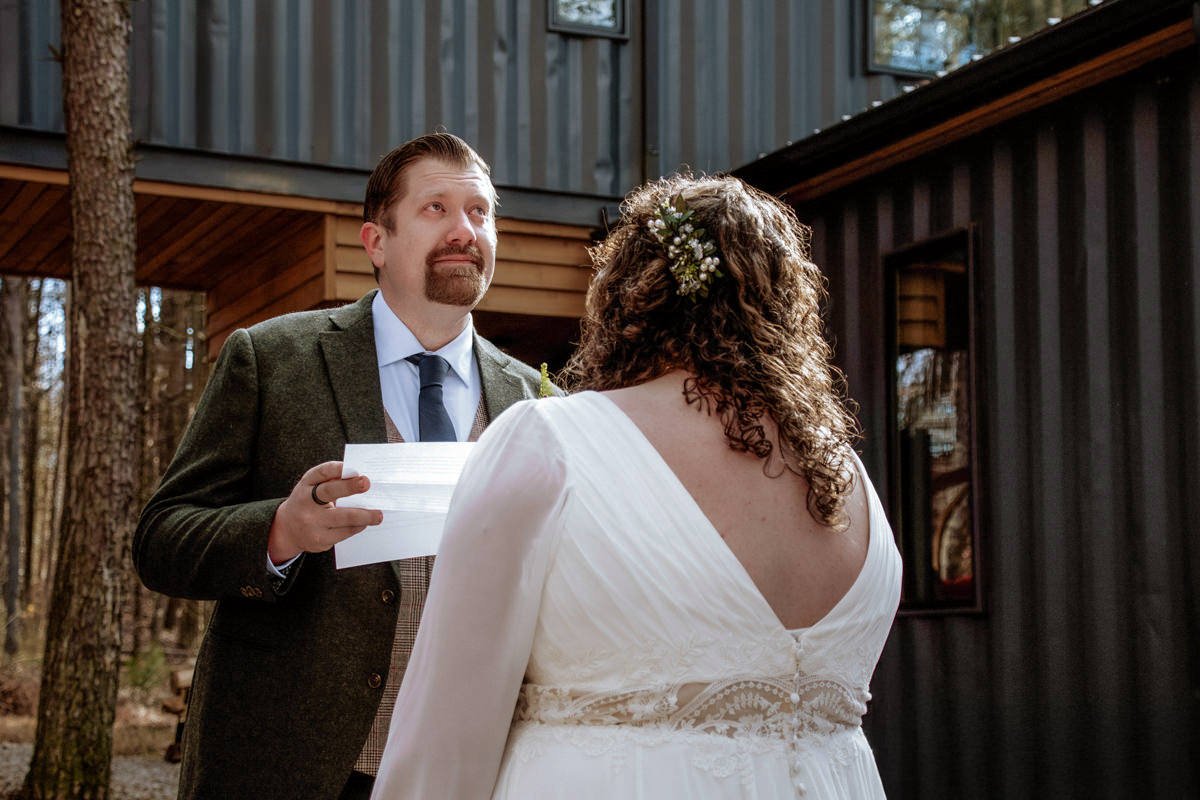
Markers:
{"x": 300, "y": 665}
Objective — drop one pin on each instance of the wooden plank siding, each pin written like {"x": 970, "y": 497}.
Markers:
{"x": 273, "y": 278}
{"x": 541, "y": 268}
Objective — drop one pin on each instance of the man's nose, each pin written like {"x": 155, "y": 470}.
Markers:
{"x": 461, "y": 230}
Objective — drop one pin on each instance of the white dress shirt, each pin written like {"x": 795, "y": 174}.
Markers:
{"x": 400, "y": 381}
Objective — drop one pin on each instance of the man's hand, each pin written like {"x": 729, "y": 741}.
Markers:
{"x": 307, "y": 523}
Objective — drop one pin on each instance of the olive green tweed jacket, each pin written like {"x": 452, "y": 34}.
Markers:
{"x": 282, "y": 697}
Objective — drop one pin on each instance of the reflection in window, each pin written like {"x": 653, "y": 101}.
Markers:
{"x": 932, "y": 466}
{"x": 588, "y": 17}
{"x": 602, "y": 13}
{"x": 925, "y": 36}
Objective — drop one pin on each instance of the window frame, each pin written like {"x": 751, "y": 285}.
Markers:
{"x": 556, "y": 25}
{"x": 893, "y": 261}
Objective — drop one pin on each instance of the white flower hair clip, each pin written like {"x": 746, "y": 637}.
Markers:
{"x": 691, "y": 250}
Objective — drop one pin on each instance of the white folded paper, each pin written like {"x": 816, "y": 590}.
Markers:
{"x": 411, "y": 483}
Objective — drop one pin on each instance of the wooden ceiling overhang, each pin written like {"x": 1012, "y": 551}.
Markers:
{"x": 258, "y": 255}
{"x": 1093, "y": 47}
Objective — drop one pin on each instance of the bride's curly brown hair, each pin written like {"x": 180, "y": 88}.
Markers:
{"x": 753, "y": 347}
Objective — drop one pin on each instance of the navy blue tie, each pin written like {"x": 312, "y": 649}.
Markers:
{"x": 435, "y": 425}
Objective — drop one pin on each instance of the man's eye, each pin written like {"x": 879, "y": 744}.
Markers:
{"x": 481, "y": 211}
{"x": 436, "y": 207}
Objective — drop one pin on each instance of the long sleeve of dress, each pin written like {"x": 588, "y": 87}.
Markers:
{"x": 452, "y": 717}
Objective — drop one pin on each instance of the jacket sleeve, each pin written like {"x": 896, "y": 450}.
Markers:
{"x": 452, "y": 716}
{"x": 202, "y": 535}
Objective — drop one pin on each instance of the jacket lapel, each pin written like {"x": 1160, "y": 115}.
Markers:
{"x": 353, "y": 370}
{"x": 502, "y": 386}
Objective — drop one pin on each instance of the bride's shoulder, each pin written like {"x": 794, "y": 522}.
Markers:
{"x": 548, "y": 420}
{"x": 554, "y": 411}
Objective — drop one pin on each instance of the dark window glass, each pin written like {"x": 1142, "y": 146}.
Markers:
{"x": 926, "y": 36}
{"x": 932, "y": 447}
{"x": 588, "y": 17}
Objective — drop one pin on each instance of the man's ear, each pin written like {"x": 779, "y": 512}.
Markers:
{"x": 372, "y": 241}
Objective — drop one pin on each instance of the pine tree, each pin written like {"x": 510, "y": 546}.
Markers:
{"x": 72, "y": 754}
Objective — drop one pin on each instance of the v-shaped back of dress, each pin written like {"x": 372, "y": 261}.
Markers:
{"x": 643, "y": 590}
{"x": 674, "y": 490}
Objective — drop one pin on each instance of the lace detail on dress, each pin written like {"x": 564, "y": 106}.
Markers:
{"x": 758, "y": 714}
{"x": 775, "y": 707}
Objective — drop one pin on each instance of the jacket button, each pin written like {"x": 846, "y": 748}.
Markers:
{"x": 375, "y": 680}
{"x": 388, "y": 596}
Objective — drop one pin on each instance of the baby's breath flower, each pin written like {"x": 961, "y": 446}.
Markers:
{"x": 688, "y": 248}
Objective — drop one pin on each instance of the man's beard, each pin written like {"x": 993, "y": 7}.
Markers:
{"x": 461, "y": 286}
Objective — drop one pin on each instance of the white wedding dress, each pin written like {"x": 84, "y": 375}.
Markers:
{"x": 580, "y": 584}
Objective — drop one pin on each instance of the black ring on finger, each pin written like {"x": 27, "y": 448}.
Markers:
{"x": 316, "y": 499}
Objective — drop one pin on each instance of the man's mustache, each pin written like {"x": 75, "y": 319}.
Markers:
{"x": 468, "y": 250}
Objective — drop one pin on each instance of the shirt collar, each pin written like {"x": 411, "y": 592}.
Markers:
{"x": 395, "y": 342}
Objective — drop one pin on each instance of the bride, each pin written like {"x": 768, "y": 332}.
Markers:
{"x": 677, "y": 582}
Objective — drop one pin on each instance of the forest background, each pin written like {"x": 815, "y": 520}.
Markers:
{"x": 158, "y": 633}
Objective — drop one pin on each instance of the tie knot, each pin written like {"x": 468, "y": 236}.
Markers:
{"x": 432, "y": 367}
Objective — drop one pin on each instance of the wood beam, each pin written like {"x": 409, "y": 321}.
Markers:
{"x": 181, "y": 190}
{"x": 1090, "y": 73}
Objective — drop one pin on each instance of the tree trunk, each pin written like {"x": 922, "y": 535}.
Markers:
{"x": 190, "y": 625}
{"x": 72, "y": 753}
{"x": 33, "y": 342}
{"x": 12, "y": 307}
{"x": 58, "y": 489}
{"x": 172, "y": 410}
{"x": 197, "y": 377}
{"x": 145, "y": 444}
{"x": 170, "y": 615}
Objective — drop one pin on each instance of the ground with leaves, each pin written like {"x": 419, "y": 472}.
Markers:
{"x": 140, "y": 736}
{"x": 134, "y": 777}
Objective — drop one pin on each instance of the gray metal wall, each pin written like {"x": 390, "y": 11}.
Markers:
{"x": 341, "y": 83}
{"x": 1082, "y": 677}
{"x": 731, "y": 80}
{"x": 710, "y": 83}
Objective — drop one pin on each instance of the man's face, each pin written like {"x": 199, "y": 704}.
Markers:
{"x": 442, "y": 243}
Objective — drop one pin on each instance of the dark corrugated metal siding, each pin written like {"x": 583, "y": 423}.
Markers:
{"x": 342, "y": 83}
{"x": 1082, "y": 677}
{"x": 733, "y": 79}
{"x": 30, "y": 78}
{"x": 710, "y": 84}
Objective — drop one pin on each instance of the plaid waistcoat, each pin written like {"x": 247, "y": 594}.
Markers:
{"x": 414, "y": 585}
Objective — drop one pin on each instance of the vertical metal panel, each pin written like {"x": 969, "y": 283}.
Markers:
{"x": 1082, "y": 676}
{"x": 30, "y": 77}
{"x": 739, "y": 78}
{"x": 10, "y": 47}
{"x": 1099, "y": 486}
{"x": 1188, "y": 385}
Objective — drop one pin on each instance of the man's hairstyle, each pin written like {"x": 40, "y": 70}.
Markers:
{"x": 386, "y": 184}
{"x": 753, "y": 345}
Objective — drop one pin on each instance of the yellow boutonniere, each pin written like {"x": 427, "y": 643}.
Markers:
{"x": 545, "y": 387}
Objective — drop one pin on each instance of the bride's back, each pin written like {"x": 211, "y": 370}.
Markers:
{"x": 802, "y": 568}
{"x": 707, "y": 285}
